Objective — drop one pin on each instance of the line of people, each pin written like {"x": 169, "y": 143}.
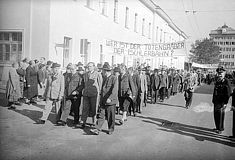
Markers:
{"x": 95, "y": 91}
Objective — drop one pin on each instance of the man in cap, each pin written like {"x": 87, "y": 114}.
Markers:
{"x": 72, "y": 96}
{"x": 108, "y": 100}
{"x": 92, "y": 86}
{"x": 54, "y": 92}
{"x": 221, "y": 94}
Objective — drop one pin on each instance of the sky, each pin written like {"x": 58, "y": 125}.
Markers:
{"x": 208, "y": 15}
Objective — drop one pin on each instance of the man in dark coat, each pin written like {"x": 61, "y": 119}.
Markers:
{"x": 126, "y": 92}
{"x": 31, "y": 82}
{"x": 233, "y": 109}
{"x": 221, "y": 94}
{"x": 108, "y": 100}
{"x": 155, "y": 82}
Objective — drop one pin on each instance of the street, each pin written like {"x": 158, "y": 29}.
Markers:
{"x": 163, "y": 131}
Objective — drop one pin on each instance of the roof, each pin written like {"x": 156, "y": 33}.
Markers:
{"x": 224, "y": 30}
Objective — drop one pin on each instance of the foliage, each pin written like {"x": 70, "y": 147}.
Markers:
{"x": 204, "y": 52}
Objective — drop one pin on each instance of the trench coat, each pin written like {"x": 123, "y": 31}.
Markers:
{"x": 13, "y": 86}
{"x": 31, "y": 78}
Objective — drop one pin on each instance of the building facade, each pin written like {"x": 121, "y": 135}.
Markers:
{"x": 76, "y": 30}
{"x": 224, "y": 37}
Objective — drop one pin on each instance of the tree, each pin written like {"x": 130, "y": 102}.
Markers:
{"x": 204, "y": 52}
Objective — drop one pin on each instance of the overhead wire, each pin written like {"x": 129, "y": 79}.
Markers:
{"x": 195, "y": 18}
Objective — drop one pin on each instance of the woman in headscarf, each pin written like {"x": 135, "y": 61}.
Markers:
{"x": 13, "y": 86}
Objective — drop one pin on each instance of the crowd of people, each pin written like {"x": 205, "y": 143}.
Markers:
{"x": 97, "y": 91}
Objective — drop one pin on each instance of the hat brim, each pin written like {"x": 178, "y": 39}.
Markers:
{"x": 107, "y": 69}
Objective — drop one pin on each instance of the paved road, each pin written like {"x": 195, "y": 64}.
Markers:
{"x": 163, "y": 131}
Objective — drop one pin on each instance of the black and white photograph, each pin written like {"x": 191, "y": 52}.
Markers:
{"x": 117, "y": 79}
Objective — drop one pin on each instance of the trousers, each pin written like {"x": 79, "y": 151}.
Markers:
{"x": 108, "y": 113}
{"x": 219, "y": 113}
{"x": 48, "y": 107}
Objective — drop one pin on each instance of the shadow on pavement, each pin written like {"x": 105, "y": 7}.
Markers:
{"x": 36, "y": 115}
{"x": 199, "y": 133}
{"x": 172, "y": 105}
{"x": 205, "y": 89}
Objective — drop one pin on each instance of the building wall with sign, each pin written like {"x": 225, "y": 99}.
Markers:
{"x": 75, "y": 30}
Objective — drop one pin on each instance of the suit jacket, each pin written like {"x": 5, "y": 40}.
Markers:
{"x": 163, "y": 81}
{"x": 126, "y": 86}
{"x": 109, "y": 91}
{"x": 54, "y": 87}
{"x": 75, "y": 83}
{"x": 136, "y": 81}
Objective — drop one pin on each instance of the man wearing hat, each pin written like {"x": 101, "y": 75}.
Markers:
{"x": 221, "y": 94}
{"x": 54, "y": 92}
{"x": 72, "y": 96}
{"x": 92, "y": 86}
{"x": 163, "y": 84}
{"x": 108, "y": 100}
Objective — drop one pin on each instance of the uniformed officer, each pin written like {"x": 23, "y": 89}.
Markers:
{"x": 233, "y": 109}
{"x": 222, "y": 91}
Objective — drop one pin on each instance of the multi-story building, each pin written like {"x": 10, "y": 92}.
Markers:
{"x": 224, "y": 37}
{"x": 77, "y": 30}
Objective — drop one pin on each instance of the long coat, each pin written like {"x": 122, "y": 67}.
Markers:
{"x": 109, "y": 91}
{"x": 32, "y": 80}
{"x": 176, "y": 82}
{"x": 54, "y": 87}
{"x": 233, "y": 99}
{"x": 13, "y": 86}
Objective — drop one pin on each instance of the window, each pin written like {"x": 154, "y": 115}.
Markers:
{"x": 160, "y": 35}
{"x": 157, "y": 34}
{"x": 135, "y": 23}
{"x": 89, "y": 3}
{"x": 149, "y": 34}
{"x": 66, "y": 50}
{"x": 232, "y": 63}
{"x": 10, "y": 46}
{"x": 232, "y": 56}
{"x": 143, "y": 26}
{"x": 115, "y": 17}
{"x": 127, "y": 17}
{"x": 104, "y": 7}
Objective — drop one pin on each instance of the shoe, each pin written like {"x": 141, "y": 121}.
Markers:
{"x": 95, "y": 131}
{"x": 12, "y": 108}
{"x": 110, "y": 132}
{"x": 125, "y": 120}
{"x": 217, "y": 131}
{"x": 63, "y": 123}
{"x": 83, "y": 126}
{"x": 134, "y": 114}
{"x": 121, "y": 122}
{"x": 41, "y": 121}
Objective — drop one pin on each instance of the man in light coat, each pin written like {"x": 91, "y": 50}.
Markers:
{"x": 92, "y": 86}
{"x": 54, "y": 92}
